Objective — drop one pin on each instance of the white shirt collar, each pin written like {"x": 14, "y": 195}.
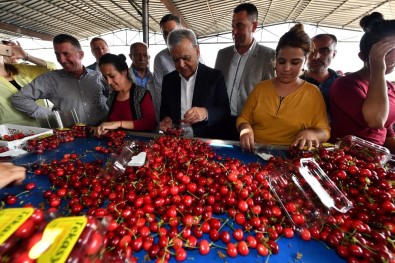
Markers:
{"x": 249, "y": 50}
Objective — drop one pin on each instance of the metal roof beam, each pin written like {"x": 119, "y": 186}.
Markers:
{"x": 173, "y": 9}
{"x": 359, "y": 17}
{"x": 15, "y": 29}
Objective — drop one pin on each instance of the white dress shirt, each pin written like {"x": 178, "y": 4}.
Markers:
{"x": 236, "y": 70}
{"x": 187, "y": 88}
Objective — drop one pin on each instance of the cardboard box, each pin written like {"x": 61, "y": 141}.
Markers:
{"x": 10, "y": 129}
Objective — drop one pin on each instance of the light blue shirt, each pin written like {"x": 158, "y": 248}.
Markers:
{"x": 142, "y": 82}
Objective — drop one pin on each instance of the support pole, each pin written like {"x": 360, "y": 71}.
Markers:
{"x": 145, "y": 22}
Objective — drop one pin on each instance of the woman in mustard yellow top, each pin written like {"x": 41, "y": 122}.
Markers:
{"x": 285, "y": 110}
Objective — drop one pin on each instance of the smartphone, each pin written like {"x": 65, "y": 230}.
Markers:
{"x": 5, "y": 50}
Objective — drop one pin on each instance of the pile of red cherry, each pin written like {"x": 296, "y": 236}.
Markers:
{"x": 187, "y": 198}
{"x": 175, "y": 131}
{"x": 42, "y": 143}
{"x": 15, "y": 136}
{"x": 4, "y": 149}
{"x": 30, "y": 236}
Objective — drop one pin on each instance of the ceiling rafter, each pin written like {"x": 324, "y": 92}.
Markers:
{"x": 206, "y": 18}
{"x": 304, "y": 9}
{"x": 70, "y": 13}
{"x": 28, "y": 18}
{"x": 22, "y": 31}
{"x": 362, "y": 15}
{"x": 103, "y": 22}
{"x": 299, "y": 3}
{"x": 334, "y": 10}
{"x": 134, "y": 5}
{"x": 215, "y": 22}
{"x": 267, "y": 13}
{"x": 123, "y": 9}
{"x": 108, "y": 19}
{"x": 211, "y": 14}
{"x": 174, "y": 10}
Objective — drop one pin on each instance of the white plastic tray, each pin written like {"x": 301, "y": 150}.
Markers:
{"x": 9, "y": 129}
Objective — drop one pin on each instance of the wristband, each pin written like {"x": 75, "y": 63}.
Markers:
{"x": 26, "y": 58}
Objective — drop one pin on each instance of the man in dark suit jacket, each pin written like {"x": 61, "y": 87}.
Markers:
{"x": 194, "y": 93}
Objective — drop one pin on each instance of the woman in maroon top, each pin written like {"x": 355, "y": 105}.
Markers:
{"x": 363, "y": 102}
{"x": 130, "y": 105}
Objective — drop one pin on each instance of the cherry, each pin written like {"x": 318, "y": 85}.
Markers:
{"x": 288, "y": 232}
{"x": 238, "y": 234}
{"x": 94, "y": 244}
{"x": 204, "y": 247}
{"x": 231, "y": 250}
{"x": 10, "y": 199}
{"x": 30, "y": 186}
{"x": 26, "y": 229}
{"x": 181, "y": 254}
{"x": 262, "y": 249}
{"x": 242, "y": 248}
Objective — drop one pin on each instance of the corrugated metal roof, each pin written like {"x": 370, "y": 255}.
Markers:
{"x": 87, "y": 18}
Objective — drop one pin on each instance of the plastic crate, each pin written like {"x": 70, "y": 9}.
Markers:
{"x": 10, "y": 129}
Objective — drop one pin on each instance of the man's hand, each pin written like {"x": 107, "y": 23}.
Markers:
{"x": 195, "y": 114}
{"x": 11, "y": 173}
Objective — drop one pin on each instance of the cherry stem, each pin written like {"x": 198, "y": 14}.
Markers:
{"x": 226, "y": 221}
{"x": 193, "y": 195}
{"x": 21, "y": 193}
{"x": 218, "y": 246}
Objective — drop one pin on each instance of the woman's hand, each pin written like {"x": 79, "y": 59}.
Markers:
{"x": 309, "y": 138}
{"x": 106, "y": 126}
{"x": 17, "y": 51}
{"x": 166, "y": 124}
{"x": 247, "y": 141}
{"x": 377, "y": 55}
{"x": 11, "y": 173}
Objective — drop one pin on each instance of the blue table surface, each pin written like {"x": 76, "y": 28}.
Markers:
{"x": 291, "y": 250}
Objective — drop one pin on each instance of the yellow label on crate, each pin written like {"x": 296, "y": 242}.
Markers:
{"x": 58, "y": 240}
{"x": 11, "y": 219}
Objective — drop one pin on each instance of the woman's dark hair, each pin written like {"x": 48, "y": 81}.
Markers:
{"x": 11, "y": 69}
{"x": 295, "y": 37}
{"x": 376, "y": 29}
{"x": 118, "y": 61}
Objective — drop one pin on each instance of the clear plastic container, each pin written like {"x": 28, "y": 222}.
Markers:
{"x": 80, "y": 130}
{"x": 365, "y": 150}
{"x": 121, "y": 159}
{"x": 42, "y": 143}
{"x": 267, "y": 151}
{"x": 64, "y": 134}
{"x": 181, "y": 130}
{"x": 311, "y": 190}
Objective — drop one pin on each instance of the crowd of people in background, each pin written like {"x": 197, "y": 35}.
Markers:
{"x": 254, "y": 94}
